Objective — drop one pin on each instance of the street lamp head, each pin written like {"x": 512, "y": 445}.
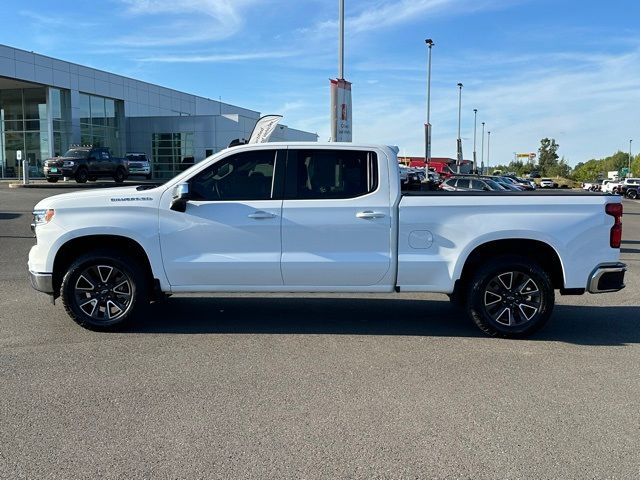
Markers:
{"x": 460, "y": 85}
{"x": 475, "y": 110}
{"x": 429, "y": 42}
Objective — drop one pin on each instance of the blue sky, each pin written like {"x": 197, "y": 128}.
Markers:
{"x": 533, "y": 68}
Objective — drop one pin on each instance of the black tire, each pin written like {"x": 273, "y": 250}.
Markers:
{"x": 119, "y": 175}
{"x": 82, "y": 175}
{"x": 632, "y": 194}
{"x": 510, "y": 297}
{"x": 52, "y": 179}
{"x": 103, "y": 290}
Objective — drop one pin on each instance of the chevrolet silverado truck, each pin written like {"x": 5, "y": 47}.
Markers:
{"x": 310, "y": 217}
{"x": 86, "y": 163}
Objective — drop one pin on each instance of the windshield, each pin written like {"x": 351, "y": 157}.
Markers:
{"x": 77, "y": 153}
{"x": 494, "y": 185}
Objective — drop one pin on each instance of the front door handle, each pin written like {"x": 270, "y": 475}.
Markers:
{"x": 368, "y": 214}
{"x": 261, "y": 215}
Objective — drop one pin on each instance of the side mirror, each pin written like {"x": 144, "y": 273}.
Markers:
{"x": 180, "y": 197}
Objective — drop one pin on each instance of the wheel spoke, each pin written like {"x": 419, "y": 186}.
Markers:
{"x": 506, "y": 279}
{"x": 528, "y": 287}
{"x": 528, "y": 311}
{"x": 491, "y": 298}
{"x": 105, "y": 272}
{"x": 504, "y": 317}
{"x": 84, "y": 283}
{"x": 123, "y": 288}
{"x": 110, "y": 306}
{"x": 93, "y": 303}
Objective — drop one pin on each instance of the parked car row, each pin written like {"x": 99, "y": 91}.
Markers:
{"x": 627, "y": 187}
{"x": 485, "y": 183}
{"x": 87, "y": 163}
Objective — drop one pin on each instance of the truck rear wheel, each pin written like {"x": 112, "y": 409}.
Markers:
{"x": 633, "y": 194}
{"x": 102, "y": 290}
{"x": 52, "y": 179}
{"x": 82, "y": 175}
{"x": 510, "y": 297}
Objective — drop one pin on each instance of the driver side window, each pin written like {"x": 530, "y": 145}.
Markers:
{"x": 243, "y": 176}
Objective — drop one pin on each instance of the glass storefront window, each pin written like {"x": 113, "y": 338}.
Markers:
{"x": 35, "y": 103}
{"x": 85, "y": 109}
{"x": 11, "y": 102}
{"x": 169, "y": 151}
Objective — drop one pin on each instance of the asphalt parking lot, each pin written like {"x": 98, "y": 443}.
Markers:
{"x": 244, "y": 386}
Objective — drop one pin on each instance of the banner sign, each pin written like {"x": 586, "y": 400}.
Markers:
{"x": 340, "y": 110}
{"x": 264, "y": 128}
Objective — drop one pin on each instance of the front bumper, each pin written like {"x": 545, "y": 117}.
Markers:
{"x": 60, "y": 172}
{"x": 43, "y": 282}
{"x": 608, "y": 277}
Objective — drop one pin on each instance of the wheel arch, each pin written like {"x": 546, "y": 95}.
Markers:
{"x": 75, "y": 247}
{"x": 537, "y": 250}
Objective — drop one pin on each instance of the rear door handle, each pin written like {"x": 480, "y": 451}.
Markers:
{"x": 261, "y": 215}
{"x": 368, "y": 214}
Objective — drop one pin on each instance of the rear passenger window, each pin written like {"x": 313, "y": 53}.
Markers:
{"x": 463, "y": 183}
{"x": 317, "y": 174}
{"x": 244, "y": 176}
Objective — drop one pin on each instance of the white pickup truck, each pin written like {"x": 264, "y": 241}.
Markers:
{"x": 311, "y": 217}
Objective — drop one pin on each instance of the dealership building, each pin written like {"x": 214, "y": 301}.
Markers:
{"x": 46, "y": 105}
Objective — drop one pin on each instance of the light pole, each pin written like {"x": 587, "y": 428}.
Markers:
{"x": 475, "y": 162}
{"x": 341, "y": 40}
{"x": 629, "y": 172}
{"x": 427, "y": 126}
{"x": 459, "y": 142}
{"x": 488, "y": 149}
{"x": 482, "y": 151}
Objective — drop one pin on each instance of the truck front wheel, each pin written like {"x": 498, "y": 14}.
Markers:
{"x": 102, "y": 290}
{"x": 510, "y": 297}
{"x": 119, "y": 175}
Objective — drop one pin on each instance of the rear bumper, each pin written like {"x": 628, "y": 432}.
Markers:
{"x": 608, "y": 277}
{"x": 43, "y": 282}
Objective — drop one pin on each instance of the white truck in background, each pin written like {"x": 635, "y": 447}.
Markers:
{"x": 312, "y": 217}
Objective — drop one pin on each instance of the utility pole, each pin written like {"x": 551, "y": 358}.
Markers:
{"x": 482, "y": 151}
{"x": 488, "y": 149}
{"x": 475, "y": 160}
{"x": 427, "y": 126}
{"x": 459, "y": 142}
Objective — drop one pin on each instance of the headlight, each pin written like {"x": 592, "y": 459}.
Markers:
{"x": 41, "y": 217}
{"x": 68, "y": 163}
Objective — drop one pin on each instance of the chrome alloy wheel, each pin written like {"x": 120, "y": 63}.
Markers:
{"x": 103, "y": 292}
{"x": 512, "y": 298}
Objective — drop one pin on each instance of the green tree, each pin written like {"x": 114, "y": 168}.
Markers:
{"x": 547, "y": 155}
{"x": 635, "y": 166}
{"x": 590, "y": 170}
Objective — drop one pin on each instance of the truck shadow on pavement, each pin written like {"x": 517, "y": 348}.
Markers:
{"x": 582, "y": 325}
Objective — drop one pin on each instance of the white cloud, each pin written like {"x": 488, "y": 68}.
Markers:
{"x": 191, "y": 21}
{"x": 380, "y": 14}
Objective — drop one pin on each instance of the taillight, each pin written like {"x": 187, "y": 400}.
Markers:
{"x": 615, "y": 237}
